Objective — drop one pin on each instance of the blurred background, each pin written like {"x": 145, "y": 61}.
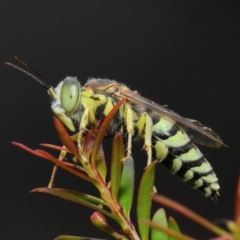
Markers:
{"x": 181, "y": 53}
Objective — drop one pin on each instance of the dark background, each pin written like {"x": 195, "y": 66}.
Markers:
{"x": 182, "y": 53}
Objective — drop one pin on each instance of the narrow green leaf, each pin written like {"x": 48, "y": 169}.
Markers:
{"x": 144, "y": 201}
{"x": 79, "y": 198}
{"x": 172, "y": 224}
{"x": 65, "y": 138}
{"x": 126, "y": 189}
{"x": 234, "y": 228}
{"x": 190, "y": 214}
{"x": 70, "y": 195}
{"x": 159, "y": 218}
{"x": 101, "y": 163}
{"x": 169, "y": 232}
{"x": 66, "y": 237}
{"x": 116, "y": 165}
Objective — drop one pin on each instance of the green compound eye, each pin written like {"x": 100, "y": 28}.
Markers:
{"x": 70, "y": 94}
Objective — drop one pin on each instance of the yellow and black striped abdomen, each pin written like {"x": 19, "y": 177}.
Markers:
{"x": 174, "y": 149}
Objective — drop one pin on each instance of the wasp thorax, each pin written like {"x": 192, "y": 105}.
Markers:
{"x": 70, "y": 94}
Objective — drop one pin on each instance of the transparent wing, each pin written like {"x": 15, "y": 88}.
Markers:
{"x": 199, "y": 133}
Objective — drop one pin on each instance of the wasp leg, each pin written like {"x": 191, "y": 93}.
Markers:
{"x": 87, "y": 119}
{"x": 144, "y": 129}
{"x": 61, "y": 157}
{"x": 128, "y": 117}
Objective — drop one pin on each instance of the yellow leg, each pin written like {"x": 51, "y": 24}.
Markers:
{"x": 129, "y": 125}
{"x": 61, "y": 157}
{"x": 86, "y": 119}
{"x": 144, "y": 126}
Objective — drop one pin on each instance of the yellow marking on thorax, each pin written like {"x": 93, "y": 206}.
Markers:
{"x": 87, "y": 100}
{"x": 87, "y": 92}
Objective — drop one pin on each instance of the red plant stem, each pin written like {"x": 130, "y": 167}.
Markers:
{"x": 116, "y": 209}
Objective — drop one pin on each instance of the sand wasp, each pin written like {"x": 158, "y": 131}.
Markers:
{"x": 167, "y": 136}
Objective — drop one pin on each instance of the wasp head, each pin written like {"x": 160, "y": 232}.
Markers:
{"x": 66, "y": 101}
{"x": 65, "y": 97}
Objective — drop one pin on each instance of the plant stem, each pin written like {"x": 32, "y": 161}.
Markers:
{"x": 127, "y": 226}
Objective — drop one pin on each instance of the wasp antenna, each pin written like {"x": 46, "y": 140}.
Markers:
{"x": 30, "y": 68}
{"x": 38, "y": 79}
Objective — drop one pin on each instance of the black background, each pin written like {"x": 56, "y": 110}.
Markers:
{"x": 182, "y": 53}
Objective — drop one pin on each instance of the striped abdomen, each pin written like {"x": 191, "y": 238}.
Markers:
{"x": 174, "y": 149}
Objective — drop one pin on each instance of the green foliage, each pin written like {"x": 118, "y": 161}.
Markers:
{"x": 144, "y": 201}
{"x": 161, "y": 219}
{"x": 115, "y": 198}
{"x": 126, "y": 188}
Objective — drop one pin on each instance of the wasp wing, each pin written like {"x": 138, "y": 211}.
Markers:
{"x": 204, "y": 136}
{"x": 199, "y": 133}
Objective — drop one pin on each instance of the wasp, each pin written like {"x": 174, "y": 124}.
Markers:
{"x": 167, "y": 137}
